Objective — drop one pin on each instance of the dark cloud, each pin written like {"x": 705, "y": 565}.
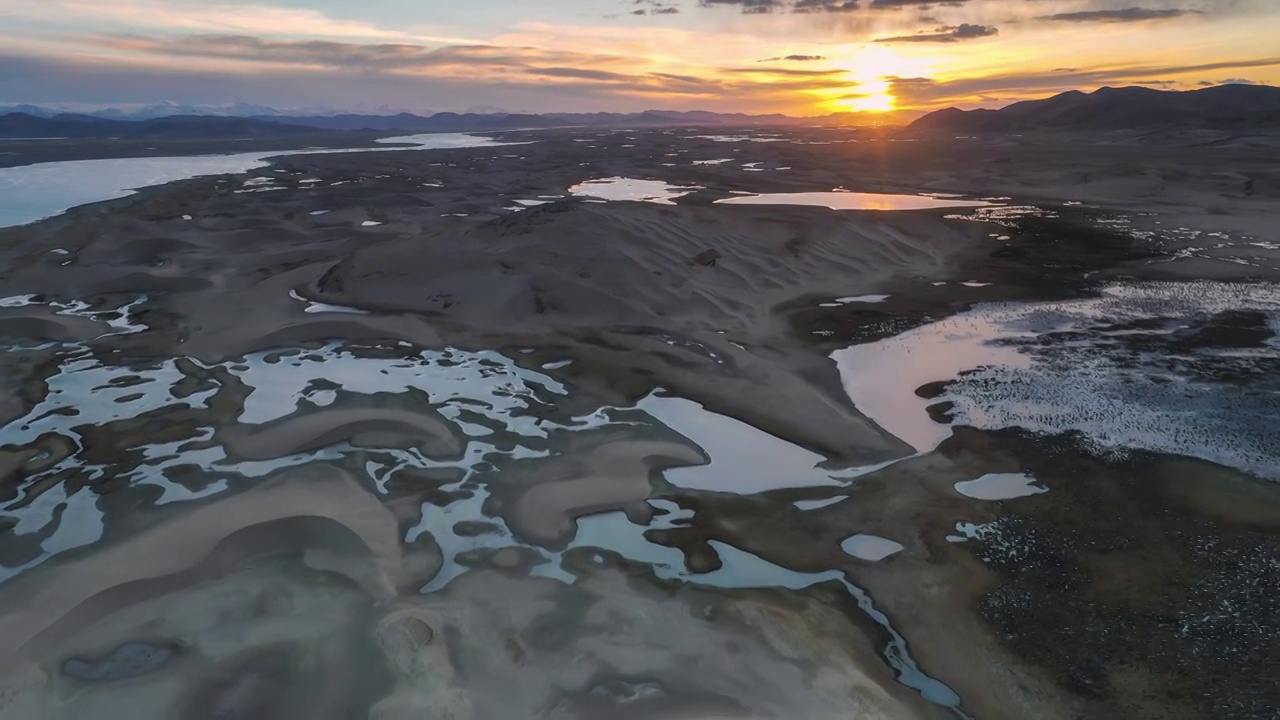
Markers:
{"x": 581, "y": 74}
{"x": 916, "y": 3}
{"x": 1131, "y": 14}
{"x": 945, "y": 34}
{"x": 795, "y": 58}
{"x": 785, "y": 72}
{"x": 355, "y": 56}
{"x": 479, "y": 62}
{"x": 654, "y": 7}
{"x": 749, "y": 7}
{"x": 756, "y": 7}
{"x": 805, "y": 6}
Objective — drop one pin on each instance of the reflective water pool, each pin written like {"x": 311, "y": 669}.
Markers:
{"x": 840, "y": 200}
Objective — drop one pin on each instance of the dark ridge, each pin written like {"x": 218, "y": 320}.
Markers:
{"x": 24, "y": 125}
{"x": 1224, "y": 107}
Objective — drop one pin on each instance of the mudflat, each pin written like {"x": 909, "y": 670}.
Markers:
{"x": 547, "y": 428}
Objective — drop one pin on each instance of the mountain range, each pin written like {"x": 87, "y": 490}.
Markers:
{"x": 1223, "y": 107}
{"x": 24, "y": 125}
{"x": 29, "y": 122}
{"x": 1230, "y": 107}
{"x": 170, "y": 109}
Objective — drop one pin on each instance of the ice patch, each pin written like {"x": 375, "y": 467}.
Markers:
{"x": 862, "y": 299}
{"x": 871, "y": 548}
{"x": 616, "y": 189}
{"x": 317, "y": 307}
{"x": 1000, "y": 486}
{"x": 738, "y": 138}
{"x": 815, "y": 504}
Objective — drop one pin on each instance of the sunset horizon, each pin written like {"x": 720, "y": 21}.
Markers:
{"x": 797, "y": 57}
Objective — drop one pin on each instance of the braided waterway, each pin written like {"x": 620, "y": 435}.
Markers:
{"x": 185, "y": 532}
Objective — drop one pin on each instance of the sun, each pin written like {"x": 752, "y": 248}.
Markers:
{"x": 869, "y": 71}
{"x": 871, "y": 96}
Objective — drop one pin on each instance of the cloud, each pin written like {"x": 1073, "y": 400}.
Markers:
{"x": 945, "y": 34}
{"x": 476, "y": 62}
{"x": 654, "y": 7}
{"x": 807, "y": 6}
{"x": 748, "y": 6}
{"x": 785, "y": 72}
{"x": 1132, "y": 14}
{"x": 581, "y": 74}
{"x": 774, "y": 60}
{"x": 915, "y": 3}
{"x": 758, "y": 7}
{"x": 364, "y": 57}
{"x": 794, "y": 58}
{"x": 208, "y": 16}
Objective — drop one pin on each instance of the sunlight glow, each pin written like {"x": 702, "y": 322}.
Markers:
{"x": 870, "y": 70}
{"x": 873, "y": 96}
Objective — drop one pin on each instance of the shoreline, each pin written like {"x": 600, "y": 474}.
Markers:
{"x": 16, "y": 153}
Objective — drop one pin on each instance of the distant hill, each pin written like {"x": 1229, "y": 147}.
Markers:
{"x": 245, "y": 119}
{"x": 161, "y": 110}
{"x": 25, "y": 125}
{"x": 467, "y": 122}
{"x": 1241, "y": 107}
{"x": 408, "y": 122}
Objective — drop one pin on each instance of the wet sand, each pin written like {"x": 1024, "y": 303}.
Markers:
{"x": 596, "y": 459}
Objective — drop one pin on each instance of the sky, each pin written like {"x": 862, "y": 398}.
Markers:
{"x": 800, "y": 57}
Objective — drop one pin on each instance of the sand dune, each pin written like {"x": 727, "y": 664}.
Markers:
{"x": 469, "y": 490}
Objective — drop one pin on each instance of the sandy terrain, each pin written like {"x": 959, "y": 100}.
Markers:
{"x": 276, "y": 364}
